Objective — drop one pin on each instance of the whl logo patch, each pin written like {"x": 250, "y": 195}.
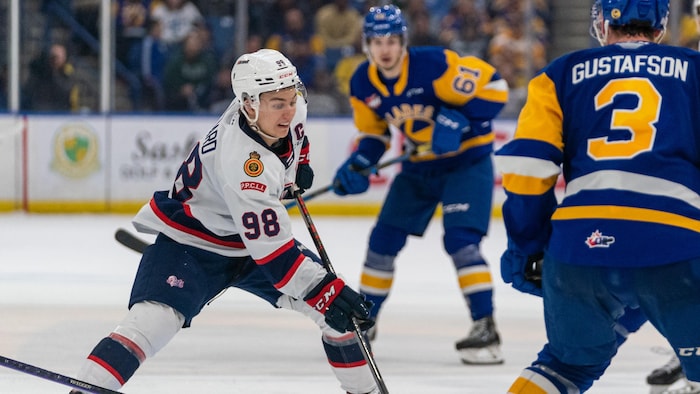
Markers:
{"x": 598, "y": 240}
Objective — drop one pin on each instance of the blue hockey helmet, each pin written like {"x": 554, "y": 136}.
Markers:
{"x": 384, "y": 21}
{"x": 625, "y": 12}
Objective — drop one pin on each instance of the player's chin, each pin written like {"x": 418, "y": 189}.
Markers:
{"x": 279, "y": 131}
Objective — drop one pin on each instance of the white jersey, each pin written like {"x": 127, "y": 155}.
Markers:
{"x": 226, "y": 199}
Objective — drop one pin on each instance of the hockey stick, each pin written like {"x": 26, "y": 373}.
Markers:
{"x": 327, "y": 263}
{"x": 55, "y": 377}
{"x": 131, "y": 241}
{"x": 367, "y": 171}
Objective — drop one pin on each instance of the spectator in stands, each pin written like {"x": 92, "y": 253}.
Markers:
{"x": 517, "y": 58}
{"x": 465, "y": 28}
{"x": 339, "y": 26}
{"x": 178, "y": 18}
{"x": 689, "y": 30}
{"x": 148, "y": 60}
{"x": 420, "y": 31}
{"x": 130, "y": 23}
{"x": 301, "y": 45}
{"x": 504, "y": 11}
{"x": 51, "y": 85}
{"x": 188, "y": 75}
{"x": 275, "y": 15}
{"x": 346, "y": 67}
{"x": 221, "y": 93}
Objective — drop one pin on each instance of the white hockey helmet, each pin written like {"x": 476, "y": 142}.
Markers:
{"x": 265, "y": 70}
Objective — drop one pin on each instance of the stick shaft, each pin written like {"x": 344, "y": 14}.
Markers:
{"x": 327, "y": 263}
{"x": 367, "y": 171}
{"x": 54, "y": 377}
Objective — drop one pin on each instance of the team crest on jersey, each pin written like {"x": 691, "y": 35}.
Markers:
{"x": 373, "y": 101}
{"x": 253, "y": 166}
{"x": 415, "y": 120}
{"x": 598, "y": 240}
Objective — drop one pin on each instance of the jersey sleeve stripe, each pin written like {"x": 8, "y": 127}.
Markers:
{"x": 290, "y": 273}
{"x": 237, "y": 243}
{"x": 496, "y": 91}
{"x": 527, "y": 185}
{"x": 284, "y": 248}
{"x": 528, "y": 166}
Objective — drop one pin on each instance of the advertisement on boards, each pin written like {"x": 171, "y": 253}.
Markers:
{"x": 147, "y": 153}
{"x": 66, "y": 162}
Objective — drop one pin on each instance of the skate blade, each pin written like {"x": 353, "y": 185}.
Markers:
{"x": 682, "y": 386}
{"x": 488, "y": 355}
{"x": 657, "y": 388}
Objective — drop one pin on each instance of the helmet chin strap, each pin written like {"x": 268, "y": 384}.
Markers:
{"x": 266, "y": 137}
{"x": 253, "y": 123}
{"x": 601, "y": 32}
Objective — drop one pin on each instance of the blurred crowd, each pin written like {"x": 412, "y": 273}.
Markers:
{"x": 176, "y": 55}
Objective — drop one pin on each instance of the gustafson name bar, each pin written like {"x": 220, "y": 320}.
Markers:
{"x": 665, "y": 66}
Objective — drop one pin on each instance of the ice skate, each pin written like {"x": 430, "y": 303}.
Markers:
{"x": 482, "y": 345}
{"x": 661, "y": 378}
{"x": 683, "y": 386}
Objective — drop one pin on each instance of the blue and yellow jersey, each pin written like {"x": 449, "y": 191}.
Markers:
{"x": 622, "y": 124}
{"x": 431, "y": 78}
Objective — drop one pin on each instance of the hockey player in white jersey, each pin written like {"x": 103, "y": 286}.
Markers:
{"x": 223, "y": 225}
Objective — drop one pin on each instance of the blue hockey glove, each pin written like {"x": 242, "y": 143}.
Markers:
{"x": 523, "y": 272}
{"x": 447, "y": 132}
{"x": 339, "y": 304}
{"x": 348, "y": 179}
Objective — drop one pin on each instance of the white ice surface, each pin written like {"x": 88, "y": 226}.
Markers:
{"x": 64, "y": 284}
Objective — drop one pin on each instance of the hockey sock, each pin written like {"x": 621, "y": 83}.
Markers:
{"x": 348, "y": 363}
{"x": 376, "y": 280}
{"x": 117, "y": 358}
{"x": 475, "y": 280}
{"x": 538, "y": 379}
{"x": 343, "y": 354}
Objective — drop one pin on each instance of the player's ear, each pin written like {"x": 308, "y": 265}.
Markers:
{"x": 248, "y": 106}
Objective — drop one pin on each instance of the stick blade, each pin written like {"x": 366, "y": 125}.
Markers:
{"x": 129, "y": 240}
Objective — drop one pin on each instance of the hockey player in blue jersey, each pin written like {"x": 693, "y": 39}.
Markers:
{"x": 434, "y": 98}
{"x": 621, "y": 123}
{"x": 671, "y": 372}
{"x": 223, "y": 225}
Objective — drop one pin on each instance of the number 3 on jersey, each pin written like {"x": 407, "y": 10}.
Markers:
{"x": 638, "y": 121}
